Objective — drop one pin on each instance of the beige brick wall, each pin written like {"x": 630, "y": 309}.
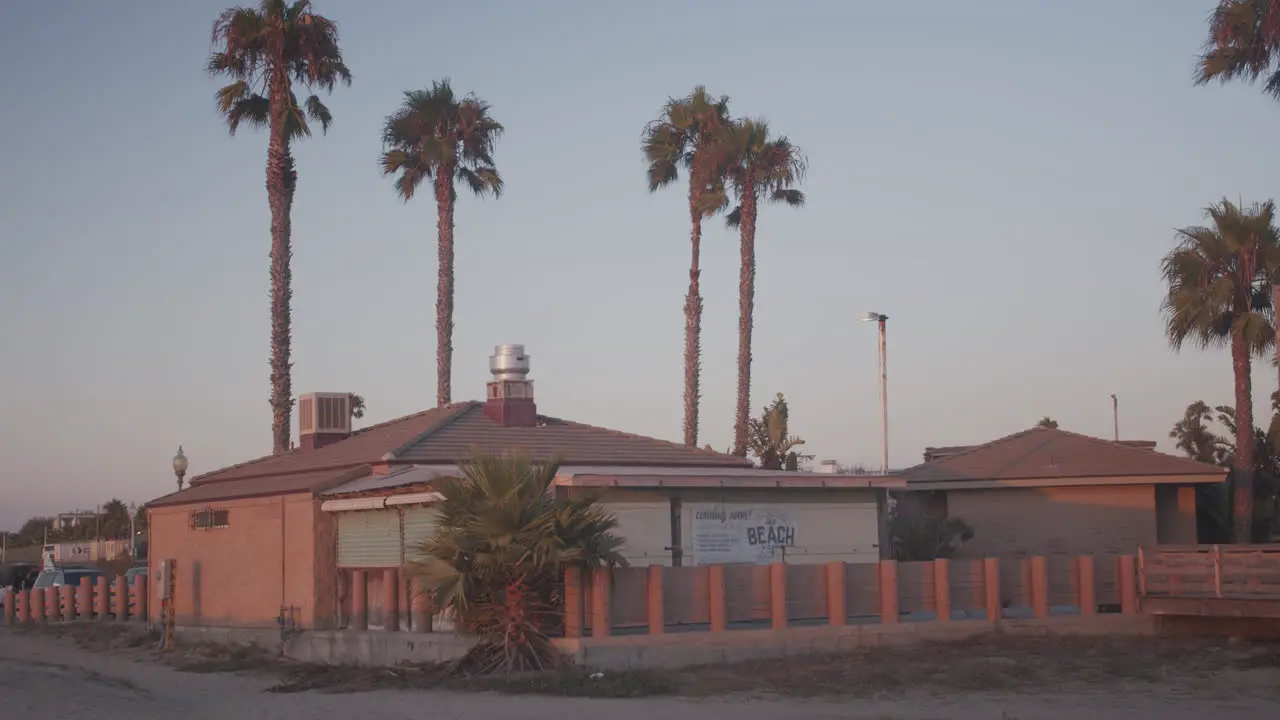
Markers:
{"x": 1036, "y": 521}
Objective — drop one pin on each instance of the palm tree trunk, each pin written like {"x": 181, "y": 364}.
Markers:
{"x": 444, "y": 286}
{"x": 746, "y": 312}
{"x": 281, "y": 180}
{"x": 1243, "y": 463}
{"x": 693, "y": 328}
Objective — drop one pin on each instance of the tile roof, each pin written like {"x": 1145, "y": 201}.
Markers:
{"x": 439, "y": 436}
{"x": 1049, "y": 453}
{"x": 471, "y": 432}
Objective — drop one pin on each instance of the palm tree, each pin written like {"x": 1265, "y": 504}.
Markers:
{"x": 757, "y": 168}
{"x": 771, "y": 441}
{"x": 1194, "y": 436}
{"x": 497, "y": 557}
{"x": 113, "y": 522}
{"x": 356, "y": 403}
{"x": 265, "y": 51}
{"x": 1219, "y": 281}
{"x": 681, "y": 138}
{"x": 437, "y": 136}
{"x": 1244, "y": 36}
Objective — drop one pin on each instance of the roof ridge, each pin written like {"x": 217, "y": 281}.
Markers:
{"x": 198, "y": 479}
{"x": 647, "y": 438}
{"x": 460, "y": 410}
{"x": 970, "y": 449}
{"x": 1128, "y": 448}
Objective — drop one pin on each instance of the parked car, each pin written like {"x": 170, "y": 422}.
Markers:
{"x": 54, "y": 577}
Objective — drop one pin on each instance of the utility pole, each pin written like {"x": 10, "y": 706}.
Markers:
{"x": 1115, "y": 415}
{"x": 880, "y": 319}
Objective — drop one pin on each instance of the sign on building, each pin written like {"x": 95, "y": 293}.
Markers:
{"x": 727, "y": 534}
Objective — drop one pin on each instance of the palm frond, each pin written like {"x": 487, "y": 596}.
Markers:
{"x": 317, "y": 111}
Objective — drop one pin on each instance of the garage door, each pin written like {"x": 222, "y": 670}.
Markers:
{"x": 849, "y": 532}
{"x": 369, "y": 538}
{"x": 419, "y": 524}
{"x": 645, "y": 529}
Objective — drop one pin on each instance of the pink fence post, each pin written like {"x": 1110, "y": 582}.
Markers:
{"x": 1128, "y": 585}
{"x": 38, "y": 612}
{"x": 420, "y": 603}
{"x": 55, "y": 599}
{"x": 359, "y": 600}
{"x": 991, "y": 588}
{"x": 23, "y": 607}
{"x": 778, "y": 595}
{"x": 102, "y": 599}
{"x": 122, "y": 598}
{"x": 942, "y": 589}
{"x": 837, "y": 603}
{"x": 1040, "y": 586}
{"x": 717, "y": 610}
{"x": 1088, "y": 585}
{"x": 141, "y": 598}
{"x": 390, "y": 600}
{"x": 654, "y": 609}
{"x": 600, "y": 621}
{"x": 573, "y": 602}
{"x": 9, "y": 613}
{"x": 889, "y": 592}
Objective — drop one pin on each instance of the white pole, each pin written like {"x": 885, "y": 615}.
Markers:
{"x": 884, "y": 399}
{"x": 133, "y": 535}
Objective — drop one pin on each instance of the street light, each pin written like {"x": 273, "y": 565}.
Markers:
{"x": 180, "y": 466}
{"x": 880, "y": 319}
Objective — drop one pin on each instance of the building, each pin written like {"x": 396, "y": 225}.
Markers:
{"x": 1046, "y": 490}
{"x": 79, "y": 518}
{"x": 297, "y": 537}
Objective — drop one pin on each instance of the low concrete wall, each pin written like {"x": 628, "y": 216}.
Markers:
{"x": 687, "y": 649}
{"x": 345, "y": 647}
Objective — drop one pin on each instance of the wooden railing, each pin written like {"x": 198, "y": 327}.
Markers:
{"x": 1210, "y": 571}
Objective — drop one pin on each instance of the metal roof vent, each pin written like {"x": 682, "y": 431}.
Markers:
{"x": 508, "y": 362}
{"x": 509, "y": 396}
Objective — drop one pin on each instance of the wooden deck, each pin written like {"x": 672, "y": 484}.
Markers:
{"x": 1210, "y": 580}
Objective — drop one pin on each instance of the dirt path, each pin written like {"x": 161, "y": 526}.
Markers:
{"x": 43, "y": 677}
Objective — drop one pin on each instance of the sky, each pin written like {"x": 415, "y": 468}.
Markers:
{"x": 1000, "y": 178}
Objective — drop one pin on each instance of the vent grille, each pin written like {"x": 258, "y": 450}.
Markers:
{"x": 324, "y": 413}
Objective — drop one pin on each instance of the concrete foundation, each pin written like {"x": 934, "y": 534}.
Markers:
{"x": 342, "y": 647}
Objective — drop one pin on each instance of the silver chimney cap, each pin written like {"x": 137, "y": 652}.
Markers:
{"x": 509, "y": 362}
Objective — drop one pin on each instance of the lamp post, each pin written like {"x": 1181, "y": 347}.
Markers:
{"x": 133, "y": 533}
{"x": 180, "y": 466}
{"x": 1115, "y": 416}
{"x": 880, "y": 319}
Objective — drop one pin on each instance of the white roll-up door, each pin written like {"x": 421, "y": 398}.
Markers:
{"x": 419, "y": 524}
{"x": 369, "y": 538}
{"x": 645, "y": 528}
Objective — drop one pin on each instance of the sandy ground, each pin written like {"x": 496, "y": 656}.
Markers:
{"x": 46, "y": 677}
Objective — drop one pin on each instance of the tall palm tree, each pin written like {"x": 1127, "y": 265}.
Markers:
{"x": 681, "y": 138}
{"x": 438, "y": 136}
{"x": 1244, "y": 37}
{"x": 757, "y": 167}
{"x": 266, "y": 51}
{"x": 1219, "y": 280}
{"x": 1194, "y": 435}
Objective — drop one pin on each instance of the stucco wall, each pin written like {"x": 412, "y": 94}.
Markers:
{"x": 241, "y": 575}
{"x": 1035, "y": 521}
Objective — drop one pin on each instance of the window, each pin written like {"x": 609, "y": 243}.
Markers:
{"x": 205, "y": 519}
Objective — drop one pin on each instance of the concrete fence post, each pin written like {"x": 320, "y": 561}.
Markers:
{"x": 600, "y": 587}
{"x": 102, "y": 599}
{"x": 390, "y": 600}
{"x": 359, "y": 600}
{"x": 778, "y": 595}
{"x": 654, "y": 601}
{"x": 38, "y": 612}
{"x": 942, "y": 589}
{"x": 122, "y": 598}
{"x": 889, "y": 592}
{"x": 573, "y": 602}
{"x": 991, "y": 588}
{"x": 717, "y": 611}
{"x": 1040, "y": 586}
{"x": 837, "y": 603}
{"x": 141, "y": 598}
{"x": 1128, "y": 585}
{"x": 1088, "y": 585}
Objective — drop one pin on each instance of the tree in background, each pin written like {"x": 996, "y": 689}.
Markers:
{"x": 920, "y": 529}
{"x": 757, "y": 167}
{"x": 1244, "y": 36}
{"x": 770, "y": 441}
{"x": 497, "y": 559}
{"x": 1219, "y": 279}
{"x": 265, "y": 51}
{"x": 113, "y": 520}
{"x": 681, "y": 138}
{"x": 357, "y": 405}
{"x": 439, "y": 137}
{"x": 1047, "y": 422}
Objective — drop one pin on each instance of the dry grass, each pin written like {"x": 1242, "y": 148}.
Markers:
{"x": 994, "y": 664}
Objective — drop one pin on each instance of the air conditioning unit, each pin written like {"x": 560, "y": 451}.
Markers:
{"x": 324, "y": 413}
